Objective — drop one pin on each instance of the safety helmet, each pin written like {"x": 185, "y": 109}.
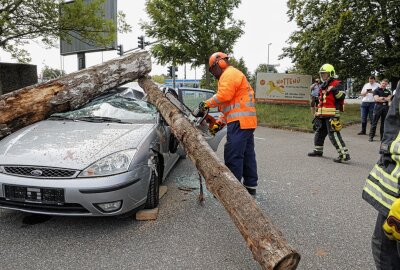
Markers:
{"x": 215, "y": 57}
{"x": 329, "y": 69}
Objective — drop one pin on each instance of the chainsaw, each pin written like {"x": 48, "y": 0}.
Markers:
{"x": 197, "y": 116}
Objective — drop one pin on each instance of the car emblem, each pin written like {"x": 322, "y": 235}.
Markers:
{"x": 36, "y": 172}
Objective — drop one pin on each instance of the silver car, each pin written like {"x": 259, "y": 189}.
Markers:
{"x": 105, "y": 159}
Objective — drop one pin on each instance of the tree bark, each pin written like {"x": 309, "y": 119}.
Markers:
{"x": 34, "y": 103}
{"x": 265, "y": 241}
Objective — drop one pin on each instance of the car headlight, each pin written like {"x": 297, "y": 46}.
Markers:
{"x": 113, "y": 164}
{"x": 1, "y": 169}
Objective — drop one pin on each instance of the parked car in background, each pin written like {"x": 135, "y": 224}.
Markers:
{"x": 107, "y": 158}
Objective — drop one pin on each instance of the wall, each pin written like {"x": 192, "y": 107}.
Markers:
{"x": 16, "y": 76}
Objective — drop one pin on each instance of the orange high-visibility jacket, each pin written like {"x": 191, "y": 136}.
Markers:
{"x": 235, "y": 98}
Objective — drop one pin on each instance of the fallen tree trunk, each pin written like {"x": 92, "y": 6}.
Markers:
{"x": 265, "y": 241}
{"x": 34, "y": 103}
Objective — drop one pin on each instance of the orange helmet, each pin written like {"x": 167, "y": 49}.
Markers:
{"x": 215, "y": 57}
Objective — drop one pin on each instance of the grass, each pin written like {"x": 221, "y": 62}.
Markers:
{"x": 298, "y": 117}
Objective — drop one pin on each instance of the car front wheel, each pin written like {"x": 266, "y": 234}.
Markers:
{"x": 153, "y": 193}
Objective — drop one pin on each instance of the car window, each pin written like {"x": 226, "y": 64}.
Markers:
{"x": 192, "y": 98}
{"x": 125, "y": 106}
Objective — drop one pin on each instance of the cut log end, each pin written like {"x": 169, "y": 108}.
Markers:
{"x": 289, "y": 262}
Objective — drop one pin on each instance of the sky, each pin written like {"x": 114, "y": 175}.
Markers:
{"x": 265, "y": 22}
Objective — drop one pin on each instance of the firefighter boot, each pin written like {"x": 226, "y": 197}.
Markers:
{"x": 315, "y": 154}
{"x": 342, "y": 159}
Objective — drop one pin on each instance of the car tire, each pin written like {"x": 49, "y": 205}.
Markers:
{"x": 153, "y": 193}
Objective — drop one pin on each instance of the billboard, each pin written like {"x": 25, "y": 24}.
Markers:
{"x": 283, "y": 88}
{"x": 80, "y": 45}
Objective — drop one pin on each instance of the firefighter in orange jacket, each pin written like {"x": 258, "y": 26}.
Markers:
{"x": 326, "y": 121}
{"x": 235, "y": 98}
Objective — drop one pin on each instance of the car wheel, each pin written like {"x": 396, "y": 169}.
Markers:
{"x": 153, "y": 193}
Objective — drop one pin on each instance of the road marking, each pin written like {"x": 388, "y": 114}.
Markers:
{"x": 259, "y": 138}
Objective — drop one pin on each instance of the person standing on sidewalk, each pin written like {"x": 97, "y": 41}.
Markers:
{"x": 314, "y": 92}
{"x": 331, "y": 98}
{"x": 367, "y": 103}
{"x": 235, "y": 98}
{"x": 382, "y": 97}
{"x": 381, "y": 190}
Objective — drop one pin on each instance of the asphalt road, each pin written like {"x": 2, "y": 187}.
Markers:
{"x": 315, "y": 202}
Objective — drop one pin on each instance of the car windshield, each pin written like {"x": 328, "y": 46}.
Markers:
{"x": 123, "y": 106}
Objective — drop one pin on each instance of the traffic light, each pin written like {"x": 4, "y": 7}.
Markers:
{"x": 169, "y": 73}
{"x": 141, "y": 42}
{"x": 120, "y": 50}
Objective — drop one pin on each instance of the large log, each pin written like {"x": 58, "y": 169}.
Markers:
{"x": 265, "y": 241}
{"x": 34, "y": 103}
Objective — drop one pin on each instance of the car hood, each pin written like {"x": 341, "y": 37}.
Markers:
{"x": 67, "y": 144}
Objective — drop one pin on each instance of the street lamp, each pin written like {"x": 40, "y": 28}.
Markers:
{"x": 269, "y": 44}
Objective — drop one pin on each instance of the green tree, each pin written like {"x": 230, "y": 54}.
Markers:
{"x": 261, "y": 68}
{"x": 159, "y": 78}
{"x": 24, "y": 20}
{"x": 191, "y": 30}
{"x": 49, "y": 73}
{"x": 359, "y": 38}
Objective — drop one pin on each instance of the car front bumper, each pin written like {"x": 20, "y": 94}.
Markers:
{"x": 82, "y": 195}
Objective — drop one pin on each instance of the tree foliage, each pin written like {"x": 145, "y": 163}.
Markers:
{"x": 261, "y": 68}
{"x": 49, "y": 73}
{"x": 191, "y": 30}
{"x": 359, "y": 38}
{"x": 24, "y": 20}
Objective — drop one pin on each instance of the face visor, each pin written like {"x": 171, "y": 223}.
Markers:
{"x": 215, "y": 69}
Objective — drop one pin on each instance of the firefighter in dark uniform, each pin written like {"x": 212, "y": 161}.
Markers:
{"x": 382, "y": 96}
{"x": 326, "y": 121}
{"x": 381, "y": 190}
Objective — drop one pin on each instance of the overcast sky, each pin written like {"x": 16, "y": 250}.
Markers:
{"x": 265, "y": 22}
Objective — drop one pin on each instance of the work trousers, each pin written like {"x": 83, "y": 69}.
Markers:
{"x": 386, "y": 252}
{"x": 367, "y": 111}
{"x": 239, "y": 154}
{"x": 380, "y": 112}
{"x": 334, "y": 136}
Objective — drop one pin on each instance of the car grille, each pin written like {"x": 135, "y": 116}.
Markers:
{"x": 67, "y": 208}
{"x": 39, "y": 172}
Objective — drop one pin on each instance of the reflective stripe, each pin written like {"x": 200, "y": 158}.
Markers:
{"x": 341, "y": 150}
{"x": 378, "y": 194}
{"x": 395, "y": 151}
{"x": 385, "y": 179}
{"x": 339, "y": 94}
{"x": 231, "y": 107}
{"x": 216, "y": 99}
{"x": 236, "y": 105}
{"x": 238, "y": 114}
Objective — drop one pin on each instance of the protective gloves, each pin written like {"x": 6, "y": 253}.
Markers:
{"x": 203, "y": 106}
{"x": 391, "y": 226}
{"x": 336, "y": 124}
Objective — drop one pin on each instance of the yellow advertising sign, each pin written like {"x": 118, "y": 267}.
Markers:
{"x": 283, "y": 88}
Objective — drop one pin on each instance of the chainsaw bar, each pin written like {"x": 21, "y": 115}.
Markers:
{"x": 182, "y": 107}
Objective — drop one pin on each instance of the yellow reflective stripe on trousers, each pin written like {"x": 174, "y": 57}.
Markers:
{"x": 385, "y": 179}
{"x": 378, "y": 194}
{"x": 341, "y": 149}
{"x": 239, "y": 114}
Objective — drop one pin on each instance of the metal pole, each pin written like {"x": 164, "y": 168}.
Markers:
{"x": 268, "y": 58}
